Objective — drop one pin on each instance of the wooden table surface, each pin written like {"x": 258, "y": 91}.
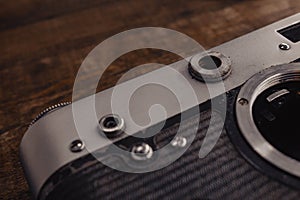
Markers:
{"x": 44, "y": 42}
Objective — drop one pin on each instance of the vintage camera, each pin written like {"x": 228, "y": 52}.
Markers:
{"x": 256, "y": 155}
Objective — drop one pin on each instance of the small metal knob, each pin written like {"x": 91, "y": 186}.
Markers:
{"x": 77, "y": 146}
{"x": 112, "y": 125}
{"x": 142, "y": 151}
{"x": 212, "y": 67}
{"x": 179, "y": 142}
{"x": 284, "y": 46}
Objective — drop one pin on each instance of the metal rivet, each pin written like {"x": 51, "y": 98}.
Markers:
{"x": 112, "y": 125}
{"x": 284, "y": 46}
{"x": 243, "y": 101}
{"x": 76, "y": 146}
{"x": 179, "y": 141}
{"x": 141, "y": 151}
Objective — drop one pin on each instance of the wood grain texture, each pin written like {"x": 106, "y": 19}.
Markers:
{"x": 44, "y": 42}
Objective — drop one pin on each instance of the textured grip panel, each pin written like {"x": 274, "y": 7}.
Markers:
{"x": 224, "y": 173}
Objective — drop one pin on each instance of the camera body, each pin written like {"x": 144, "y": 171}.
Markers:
{"x": 253, "y": 157}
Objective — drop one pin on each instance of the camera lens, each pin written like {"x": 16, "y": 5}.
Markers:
{"x": 276, "y": 115}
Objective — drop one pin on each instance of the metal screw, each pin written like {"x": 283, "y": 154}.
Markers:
{"x": 243, "y": 101}
{"x": 179, "y": 142}
{"x": 142, "y": 151}
{"x": 112, "y": 125}
{"x": 284, "y": 46}
{"x": 76, "y": 146}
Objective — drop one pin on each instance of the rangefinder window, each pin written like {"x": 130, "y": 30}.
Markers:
{"x": 292, "y": 33}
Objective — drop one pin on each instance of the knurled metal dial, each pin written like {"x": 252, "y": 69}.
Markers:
{"x": 47, "y": 110}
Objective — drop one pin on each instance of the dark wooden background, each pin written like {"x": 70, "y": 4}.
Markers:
{"x": 42, "y": 44}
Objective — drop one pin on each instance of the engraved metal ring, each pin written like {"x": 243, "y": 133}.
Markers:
{"x": 244, "y": 104}
{"x": 112, "y": 125}
{"x": 211, "y": 67}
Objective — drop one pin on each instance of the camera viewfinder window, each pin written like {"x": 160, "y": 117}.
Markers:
{"x": 292, "y": 32}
